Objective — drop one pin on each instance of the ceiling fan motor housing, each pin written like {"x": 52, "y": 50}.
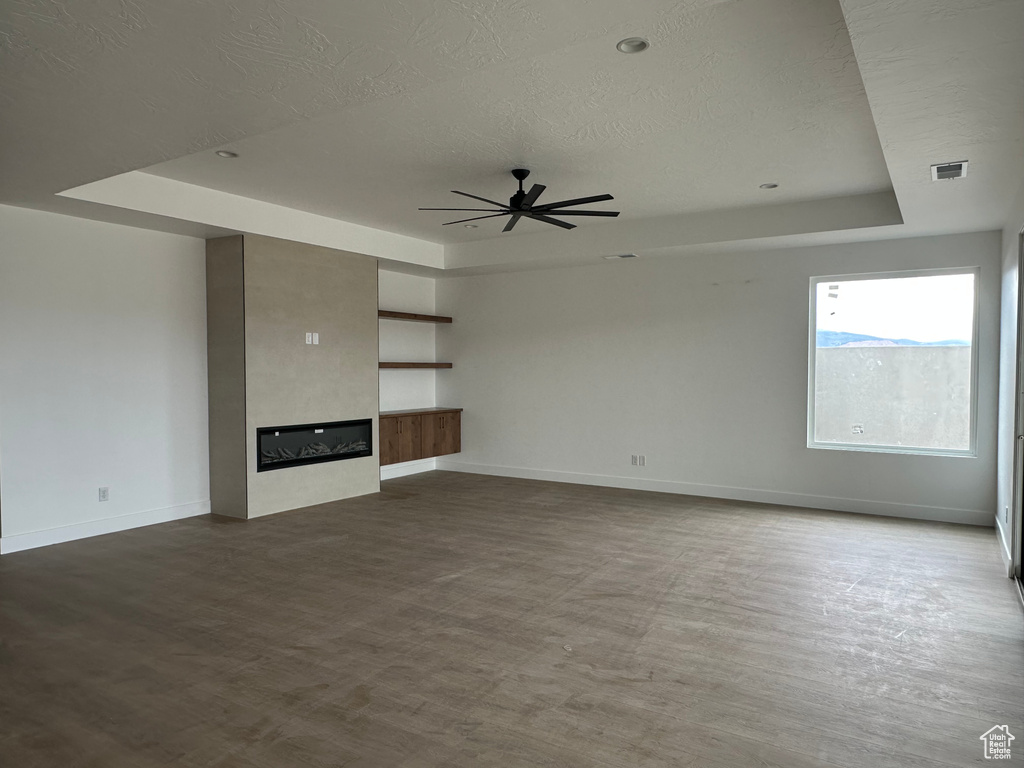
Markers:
{"x": 519, "y": 174}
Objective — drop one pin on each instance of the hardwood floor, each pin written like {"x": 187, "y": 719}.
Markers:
{"x": 462, "y": 620}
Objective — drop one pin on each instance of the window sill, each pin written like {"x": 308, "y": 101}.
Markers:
{"x": 897, "y": 449}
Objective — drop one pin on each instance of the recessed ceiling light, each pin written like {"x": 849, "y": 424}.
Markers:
{"x": 632, "y": 45}
{"x": 469, "y": 226}
{"x": 769, "y": 185}
{"x": 226, "y": 153}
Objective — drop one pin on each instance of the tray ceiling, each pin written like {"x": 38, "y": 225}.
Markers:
{"x": 347, "y": 117}
{"x": 729, "y": 96}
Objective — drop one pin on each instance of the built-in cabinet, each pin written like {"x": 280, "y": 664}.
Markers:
{"x": 425, "y": 432}
{"x": 419, "y": 434}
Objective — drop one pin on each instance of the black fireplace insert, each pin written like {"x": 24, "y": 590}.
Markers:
{"x": 290, "y": 446}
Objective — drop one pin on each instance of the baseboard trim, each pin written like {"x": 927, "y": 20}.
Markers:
{"x": 23, "y": 541}
{"x": 861, "y": 506}
{"x": 392, "y": 471}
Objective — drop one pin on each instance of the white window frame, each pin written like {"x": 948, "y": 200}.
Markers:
{"x": 812, "y": 346}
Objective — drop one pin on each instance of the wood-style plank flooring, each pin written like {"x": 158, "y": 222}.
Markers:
{"x": 461, "y": 620}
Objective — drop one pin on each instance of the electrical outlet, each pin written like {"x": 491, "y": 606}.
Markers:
{"x": 104, "y": 493}
{"x": 643, "y": 460}
{"x": 636, "y": 460}
{"x": 309, "y": 338}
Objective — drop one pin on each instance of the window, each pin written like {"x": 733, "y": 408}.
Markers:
{"x": 893, "y": 362}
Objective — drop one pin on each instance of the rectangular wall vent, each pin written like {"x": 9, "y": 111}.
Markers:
{"x": 956, "y": 170}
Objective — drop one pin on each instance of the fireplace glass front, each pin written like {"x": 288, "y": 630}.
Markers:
{"x": 297, "y": 444}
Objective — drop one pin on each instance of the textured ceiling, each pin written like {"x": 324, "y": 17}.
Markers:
{"x": 361, "y": 112}
{"x": 728, "y": 96}
{"x": 95, "y": 88}
{"x": 945, "y": 79}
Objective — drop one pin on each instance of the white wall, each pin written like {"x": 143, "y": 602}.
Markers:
{"x": 1008, "y": 370}
{"x": 102, "y": 377}
{"x": 700, "y": 363}
{"x": 400, "y": 341}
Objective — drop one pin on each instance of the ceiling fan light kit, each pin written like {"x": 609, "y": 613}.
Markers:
{"x": 523, "y": 205}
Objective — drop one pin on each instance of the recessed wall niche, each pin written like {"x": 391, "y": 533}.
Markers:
{"x": 264, "y": 296}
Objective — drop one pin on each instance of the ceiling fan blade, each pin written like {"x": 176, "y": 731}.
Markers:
{"x": 549, "y": 220}
{"x": 512, "y": 222}
{"x": 489, "y": 210}
{"x": 532, "y": 195}
{"x": 577, "y": 201}
{"x": 475, "y": 218}
{"x": 581, "y": 213}
{"x": 482, "y": 199}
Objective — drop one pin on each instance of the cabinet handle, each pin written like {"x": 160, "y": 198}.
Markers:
{"x": 399, "y": 427}
{"x": 442, "y": 422}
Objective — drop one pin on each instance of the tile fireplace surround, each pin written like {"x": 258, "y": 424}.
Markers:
{"x": 263, "y": 296}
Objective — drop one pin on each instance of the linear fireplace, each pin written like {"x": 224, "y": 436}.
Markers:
{"x": 290, "y": 446}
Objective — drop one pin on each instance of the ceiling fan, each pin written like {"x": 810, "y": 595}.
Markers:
{"x": 522, "y": 204}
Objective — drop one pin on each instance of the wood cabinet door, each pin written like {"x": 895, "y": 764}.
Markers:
{"x": 441, "y": 433}
{"x": 453, "y": 431}
{"x": 409, "y": 440}
{"x": 388, "y": 440}
{"x": 433, "y": 434}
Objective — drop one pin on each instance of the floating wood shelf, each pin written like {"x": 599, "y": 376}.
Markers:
{"x": 387, "y": 314}
{"x": 414, "y": 365}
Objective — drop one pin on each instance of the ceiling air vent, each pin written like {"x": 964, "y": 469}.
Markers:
{"x": 956, "y": 170}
